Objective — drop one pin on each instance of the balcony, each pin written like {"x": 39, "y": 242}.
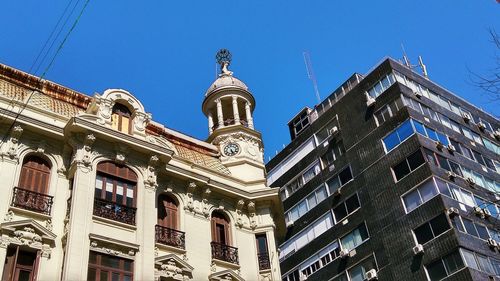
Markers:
{"x": 113, "y": 211}
{"x": 224, "y": 252}
{"x": 264, "y": 262}
{"x": 170, "y": 237}
{"x": 32, "y": 201}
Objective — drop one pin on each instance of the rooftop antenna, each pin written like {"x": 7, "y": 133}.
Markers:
{"x": 310, "y": 74}
{"x": 405, "y": 57}
{"x": 423, "y": 67}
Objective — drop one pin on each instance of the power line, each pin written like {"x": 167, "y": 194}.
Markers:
{"x": 45, "y": 71}
{"x": 50, "y": 36}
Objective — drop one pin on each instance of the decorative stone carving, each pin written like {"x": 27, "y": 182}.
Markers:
{"x": 141, "y": 119}
{"x": 9, "y": 216}
{"x": 4, "y": 242}
{"x": 150, "y": 181}
{"x": 169, "y": 187}
{"x": 96, "y": 246}
{"x": 251, "y": 214}
{"x": 48, "y": 224}
{"x": 190, "y": 196}
{"x": 172, "y": 267}
{"x": 27, "y": 236}
{"x": 121, "y": 151}
{"x": 250, "y": 144}
{"x": 28, "y": 233}
{"x": 42, "y": 147}
{"x": 82, "y": 150}
{"x": 13, "y": 142}
{"x": 205, "y": 205}
{"x": 87, "y": 149}
{"x": 265, "y": 277}
{"x": 213, "y": 266}
{"x": 46, "y": 251}
{"x": 239, "y": 213}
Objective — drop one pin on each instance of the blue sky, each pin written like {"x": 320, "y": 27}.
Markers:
{"x": 163, "y": 51}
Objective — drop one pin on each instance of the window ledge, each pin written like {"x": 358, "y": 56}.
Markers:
{"x": 170, "y": 248}
{"x": 225, "y": 263}
{"x": 113, "y": 223}
{"x": 30, "y": 213}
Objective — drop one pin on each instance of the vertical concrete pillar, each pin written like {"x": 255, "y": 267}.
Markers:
{"x": 210, "y": 123}
{"x": 249, "y": 115}
{"x": 220, "y": 117}
{"x": 236, "y": 114}
{"x": 148, "y": 233}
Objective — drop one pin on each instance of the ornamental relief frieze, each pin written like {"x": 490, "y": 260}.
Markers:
{"x": 27, "y": 233}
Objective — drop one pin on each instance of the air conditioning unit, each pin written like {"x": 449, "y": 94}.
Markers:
{"x": 303, "y": 277}
{"x": 451, "y": 148}
{"x": 478, "y": 211}
{"x": 496, "y": 134}
{"x": 369, "y": 100}
{"x": 344, "y": 253}
{"x": 337, "y": 192}
{"x": 486, "y": 213}
{"x": 451, "y": 175}
{"x": 331, "y": 167}
{"x": 466, "y": 116}
{"x": 289, "y": 224}
{"x": 470, "y": 181}
{"x": 418, "y": 249}
{"x": 492, "y": 243}
{"x": 333, "y": 130}
{"x": 417, "y": 94}
{"x": 439, "y": 145}
{"x": 371, "y": 275}
{"x": 481, "y": 126}
{"x": 453, "y": 212}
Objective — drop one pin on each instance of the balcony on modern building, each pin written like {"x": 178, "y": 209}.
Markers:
{"x": 224, "y": 252}
{"x": 170, "y": 237}
{"x": 32, "y": 201}
{"x": 113, "y": 211}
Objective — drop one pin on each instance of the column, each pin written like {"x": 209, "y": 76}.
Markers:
{"x": 220, "y": 118}
{"x": 8, "y": 175}
{"x": 147, "y": 253}
{"x": 236, "y": 114}
{"x": 249, "y": 115}
{"x": 210, "y": 123}
{"x": 78, "y": 243}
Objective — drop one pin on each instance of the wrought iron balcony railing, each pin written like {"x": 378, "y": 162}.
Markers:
{"x": 170, "y": 237}
{"x": 33, "y": 201}
{"x": 264, "y": 262}
{"x": 114, "y": 211}
{"x": 224, "y": 252}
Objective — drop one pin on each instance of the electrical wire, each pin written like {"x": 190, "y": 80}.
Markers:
{"x": 45, "y": 71}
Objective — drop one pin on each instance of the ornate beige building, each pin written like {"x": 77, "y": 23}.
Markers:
{"x": 94, "y": 189}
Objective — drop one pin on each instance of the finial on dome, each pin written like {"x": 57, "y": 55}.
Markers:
{"x": 223, "y": 58}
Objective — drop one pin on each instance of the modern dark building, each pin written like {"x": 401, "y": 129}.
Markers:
{"x": 391, "y": 177}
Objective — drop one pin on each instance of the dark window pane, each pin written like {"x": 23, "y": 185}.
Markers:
{"x": 423, "y": 233}
{"x": 442, "y": 138}
{"x": 453, "y": 262}
{"x": 466, "y": 152}
{"x": 482, "y": 232}
{"x": 457, "y": 223}
{"x": 363, "y": 232}
{"x": 91, "y": 274}
{"x": 345, "y": 176}
{"x": 456, "y": 145}
{"x": 401, "y": 170}
{"x": 443, "y": 162}
{"x": 92, "y": 258}
{"x": 436, "y": 270}
{"x": 115, "y": 277}
{"x": 489, "y": 163}
{"x": 439, "y": 224}
{"x": 412, "y": 200}
{"x": 340, "y": 212}
{"x": 110, "y": 261}
{"x": 469, "y": 227}
{"x": 443, "y": 187}
{"x": 455, "y": 168}
{"x": 415, "y": 160}
{"x": 104, "y": 275}
{"x": 352, "y": 203}
{"x": 128, "y": 265}
{"x": 478, "y": 157}
{"x": 429, "y": 155}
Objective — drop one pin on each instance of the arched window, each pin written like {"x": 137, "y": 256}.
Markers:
{"x": 167, "y": 212}
{"x": 121, "y": 118}
{"x": 115, "y": 192}
{"x": 220, "y": 228}
{"x": 35, "y": 174}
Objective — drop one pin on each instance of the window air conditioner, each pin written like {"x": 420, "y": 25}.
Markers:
{"x": 417, "y": 94}
{"x": 418, "y": 249}
{"x": 466, "y": 116}
{"x": 439, "y": 145}
{"x": 451, "y": 175}
{"x": 289, "y": 224}
{"x": 470, "y": 181}
{"x": 478, "y": 211}
{"x": 492, "y": 243}
{"x": 481, "y": 126}
{"x": 369, "y": 100}
{"x": 496, "y": 134}
{"x": 344, "y": 253}
{"x": 337, "y": 192}
{"x": 452, "y": 211}
{"x": 333, "y": 130}
{"x": 486, "y": 213}
{"x": 451, "y": 148}
{"x": 371, "y": 274}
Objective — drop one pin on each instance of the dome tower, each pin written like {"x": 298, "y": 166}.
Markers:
{"x": 229, "y": 106}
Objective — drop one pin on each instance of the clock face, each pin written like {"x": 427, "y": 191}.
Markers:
{"x": 231, "y": 149}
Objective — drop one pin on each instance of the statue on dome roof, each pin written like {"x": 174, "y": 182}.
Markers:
{"x": 223, "y": 58}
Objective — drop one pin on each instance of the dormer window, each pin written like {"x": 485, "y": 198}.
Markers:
{"x": 121, "y": 119}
